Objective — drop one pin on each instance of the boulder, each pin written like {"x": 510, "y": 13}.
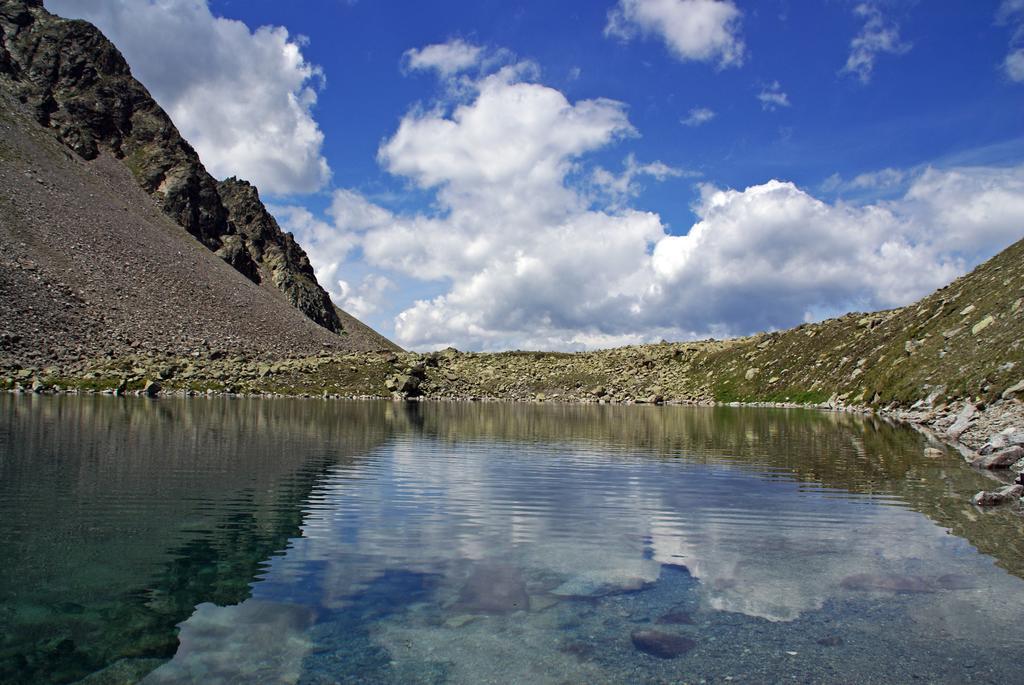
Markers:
{"x": 1016, "y": 389}
{"x": 661, "y": 644}
{"x": 1001, "y": 459}
{"x": 991, "y": 498}
{"x": 151, "y": 389}
{"x": 982, "y": 325}
{"x": 963, "y": 420}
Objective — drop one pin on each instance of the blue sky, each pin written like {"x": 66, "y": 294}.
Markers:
{"x": 789, "y": 160}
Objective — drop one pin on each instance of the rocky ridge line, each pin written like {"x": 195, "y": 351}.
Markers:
{"x": 80, "y": 86}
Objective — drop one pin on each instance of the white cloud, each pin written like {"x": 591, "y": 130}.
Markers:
{"x": 1014, "y": 65}
{"x": 970, "y": 210}
{"x": 698, "y": 116}
{"x": 244, "y": 99}
{"x": 352, "y": 212}
{"x": 878, "y": 36}
{"x": 881, "y": 181}
{"x": 446, "y": 58}
{"x": 530, "y": 245}
{"x": 365, "y": 298}
{"x": 697, "y": 30}
{"x": 619, "y": 188}
{"x": 772, "y": 97}
{"x": 1012, "y": 12}
{"x": 530, "y": 261}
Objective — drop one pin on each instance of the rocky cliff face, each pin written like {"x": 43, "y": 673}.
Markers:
{"x": 259, "y": 240}
{"x": 79, "y": 86}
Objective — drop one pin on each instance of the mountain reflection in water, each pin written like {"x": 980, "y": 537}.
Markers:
{"x": 308, "y": 541}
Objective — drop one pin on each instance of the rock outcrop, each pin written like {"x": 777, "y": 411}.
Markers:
{"x": 79, "y": 86}
{"x": 259, "y": 242}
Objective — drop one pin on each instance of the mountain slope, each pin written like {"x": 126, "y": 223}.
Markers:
{"x": 92, "y": 266}
{"x": 79, "y": 86}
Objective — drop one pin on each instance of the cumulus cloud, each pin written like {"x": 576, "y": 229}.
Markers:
{"x": 698, "y": 116}
{"x": 693, "y": 30}
{"x": 445, "y": 58}
{"x": 772, "y": 97}
{"x": 879, "y": 35}
{"x": 365, "y": 298}
{"x": 531, "y": 259}
{"x": 532, "y": 245}
{"x": 243, "y": 98}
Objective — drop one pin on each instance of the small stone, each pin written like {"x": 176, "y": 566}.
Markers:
{"x": 660, "y": 644}
{"x": 751, "y": 374}
{"x": 933, "y": 452}
{"x": 991, "y": 498}
{"x": 37, "y": 386}
{"x": 830, "y": 641}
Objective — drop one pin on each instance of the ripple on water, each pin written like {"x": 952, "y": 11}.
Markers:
{"x": 317, "y": 542}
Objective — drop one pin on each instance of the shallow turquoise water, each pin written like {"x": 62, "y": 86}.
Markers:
{"x": 288, "y": 541}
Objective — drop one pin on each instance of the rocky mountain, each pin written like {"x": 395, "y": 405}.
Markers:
{"x": 96, "y": 186}
{"x": 77, "y": 84}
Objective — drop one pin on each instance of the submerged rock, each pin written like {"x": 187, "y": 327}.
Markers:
{"x": 661, "y": 644}
{"x": 493, "y": 589}
{"x": 600, "y": 584}
{"x": 676, "y": 617}
{"x": 880, "y": 582}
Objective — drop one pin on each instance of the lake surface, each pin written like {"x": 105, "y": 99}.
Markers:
{"x": 291, "y": 541}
